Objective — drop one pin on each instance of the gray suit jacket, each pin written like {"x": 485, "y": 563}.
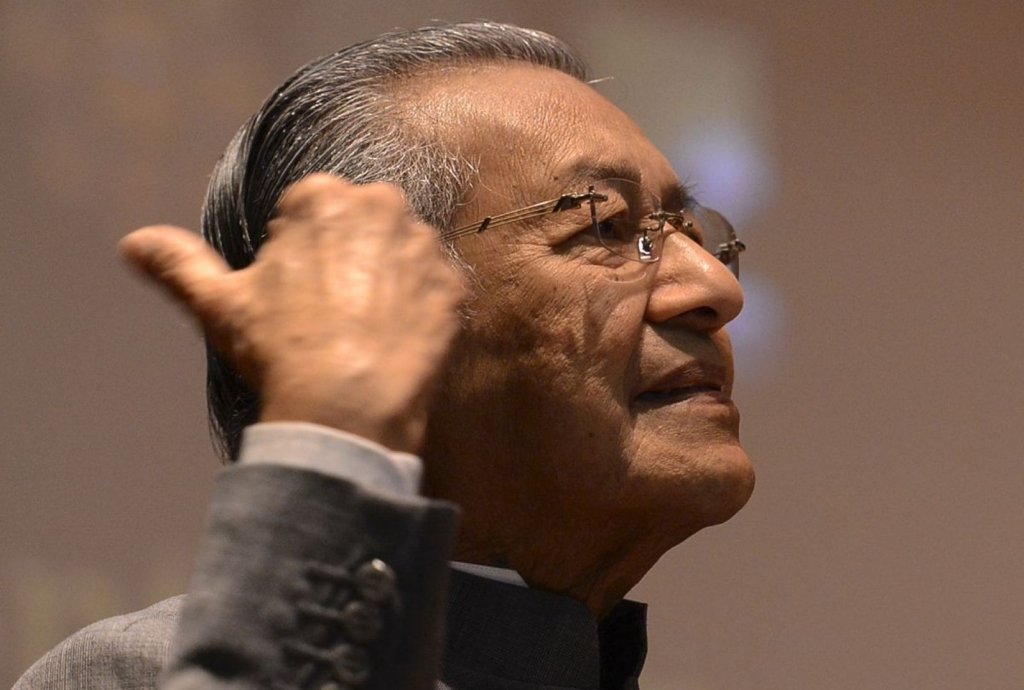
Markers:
{"x": 308, "y": 581}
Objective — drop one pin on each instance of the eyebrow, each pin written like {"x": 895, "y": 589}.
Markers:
{"x": 678, "y": 196}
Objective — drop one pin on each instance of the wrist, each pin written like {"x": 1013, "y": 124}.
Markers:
{"x": 396, "y": 432}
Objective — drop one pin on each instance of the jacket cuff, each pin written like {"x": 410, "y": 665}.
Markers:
{"x": 336, "y": 453}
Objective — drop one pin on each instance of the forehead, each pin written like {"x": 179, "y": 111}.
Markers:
{"x": 532, "y": 131}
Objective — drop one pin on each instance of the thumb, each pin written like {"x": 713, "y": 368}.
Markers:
{"x": 182, "y": 263}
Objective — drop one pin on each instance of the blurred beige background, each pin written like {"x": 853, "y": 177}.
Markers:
{"x": 871, "y": 153}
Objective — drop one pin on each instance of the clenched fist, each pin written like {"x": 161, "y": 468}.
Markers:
{"x": 343, "y": 319}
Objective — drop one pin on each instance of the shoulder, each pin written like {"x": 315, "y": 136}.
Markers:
{"x": 118, "y": 653}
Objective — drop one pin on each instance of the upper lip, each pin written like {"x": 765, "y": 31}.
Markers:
{"x": 697, "y": 375}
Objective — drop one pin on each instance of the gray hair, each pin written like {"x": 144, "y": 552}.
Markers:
{"x": 342, "y": 114}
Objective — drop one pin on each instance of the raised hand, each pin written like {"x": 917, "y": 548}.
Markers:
{"x": 343, "y": 319}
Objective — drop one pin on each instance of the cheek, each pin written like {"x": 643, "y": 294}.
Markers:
{"x": 539, "y": 383}
{"x": 576, "y": 334}
{"x": 564, "y": 361}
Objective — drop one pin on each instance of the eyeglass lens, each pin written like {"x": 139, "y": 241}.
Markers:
{"x": 719, "y": 237}
{"x": 628, "y": 221}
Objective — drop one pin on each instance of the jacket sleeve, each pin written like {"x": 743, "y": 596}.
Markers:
{"x": 309, "y": 581}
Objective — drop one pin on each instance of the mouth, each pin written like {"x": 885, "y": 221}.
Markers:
{"x": 681, "y": 394}
{"x": 694, "y": 382}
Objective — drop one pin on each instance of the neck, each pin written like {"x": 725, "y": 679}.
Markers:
{"x": 591, "y": 570}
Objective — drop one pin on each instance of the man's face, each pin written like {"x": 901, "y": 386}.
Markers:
{"x": 586, "y": 405}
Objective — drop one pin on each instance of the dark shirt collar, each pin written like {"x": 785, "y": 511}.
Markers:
{"x": 501, "y": 636}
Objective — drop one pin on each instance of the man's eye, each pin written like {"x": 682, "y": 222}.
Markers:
{"x": 616, "y": 231}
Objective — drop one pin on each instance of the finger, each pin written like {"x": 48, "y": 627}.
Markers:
{"x": 302, "y": 199}
{"x": 182, "y": 263}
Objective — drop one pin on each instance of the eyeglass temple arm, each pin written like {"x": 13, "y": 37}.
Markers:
{"x": 562, "y": 203}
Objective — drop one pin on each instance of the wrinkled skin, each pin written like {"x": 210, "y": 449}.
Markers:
{"x": 542, "y": 425}
{"x": 563, "y": 474}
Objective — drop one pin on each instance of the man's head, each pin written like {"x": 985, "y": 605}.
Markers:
{"x": 583, "y": 421}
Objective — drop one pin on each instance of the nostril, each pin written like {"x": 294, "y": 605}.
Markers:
{"x": 705, "y": 313}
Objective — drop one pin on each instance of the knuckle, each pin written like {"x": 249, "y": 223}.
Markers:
{"x": 426, "y": 240}
{"x": 320, "y": 182}
{"x": 425, "y": 232}
{"x": 332, "y": 207}
{"x": 306, "y": 196}
{"x": 451, "y": 282}
{"x": 384, "y": 193}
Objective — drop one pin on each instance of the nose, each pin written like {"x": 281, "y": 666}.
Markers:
{"x": 691, "y": 288}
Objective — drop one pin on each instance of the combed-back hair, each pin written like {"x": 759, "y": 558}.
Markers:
{"x": 343, "y": 114}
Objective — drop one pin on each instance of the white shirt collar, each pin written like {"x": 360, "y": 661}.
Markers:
{"x": 490, "y": 572}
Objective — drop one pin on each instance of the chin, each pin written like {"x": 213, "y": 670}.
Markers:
{"x": 701, "y": 490}
{"x": 730, "y": 486}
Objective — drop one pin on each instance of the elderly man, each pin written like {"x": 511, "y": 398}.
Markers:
{"x": 532, "y": 330}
